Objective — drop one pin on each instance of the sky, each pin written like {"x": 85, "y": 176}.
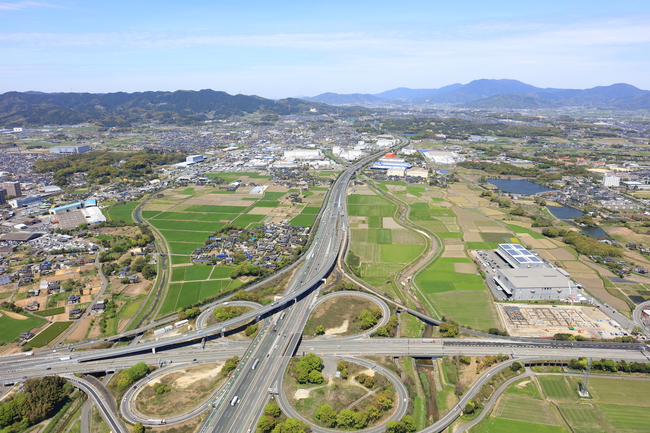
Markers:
{"x": 283, "y": 48}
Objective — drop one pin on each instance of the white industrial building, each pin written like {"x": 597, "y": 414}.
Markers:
{"x": 422, "y": 173}
{"x": 534, "y": 284}
{"x": 442, "y": 157}
{"x": 386, "y": 140}
{"x": 194, "y": 158}
{"x": 396, "y": 171}
{"x": 303, "y": 154}
{"x": 351, "y": 155}
{"x": 69, "y": 149}
{"x": 611, "y": 181}
{"x": 519, "y": 257}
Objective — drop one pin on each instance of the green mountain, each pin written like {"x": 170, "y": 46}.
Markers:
{"x": 117, "y": 109}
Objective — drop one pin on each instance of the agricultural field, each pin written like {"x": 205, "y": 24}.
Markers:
{"x": 122, "y": 212}
{"x": 48, "y": 334}
{"x": 12, "y": 327}
{"x": 380, "y": 247}
{"x": 618, "y": 405}
{"x": 556, "y": 388}
{"x": 510, "y": 426}
{"x": 181, "y": 295}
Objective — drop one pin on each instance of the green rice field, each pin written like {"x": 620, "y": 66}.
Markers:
{"x": 10, "y": 328}
{"x": 556, "y": 388}
{"x": 121, "y": 212}
{"x": 49, "y": 334}
{"x": 500, "y": 425}
{"x": 181, "y": 295}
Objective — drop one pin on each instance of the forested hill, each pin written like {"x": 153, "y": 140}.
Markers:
{"x": 116, "y": 109}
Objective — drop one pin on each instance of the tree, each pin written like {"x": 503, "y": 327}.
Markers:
{"x": 449, "y": 330}
{"x": 320, "y": 330}
{"x": 326, "y": 415}
{"x": 316, "y": 377}
{"x": 346, "y": 419}
{"x": 291, "y": 425}
{"x": 266, "y": 424}
{"x": 251, "y": 330}
{"x": 382, "y": 332}
{"x": 230, "y": 365}
{"x": 149, "y": 272}
{"x": 138, "y": 428}
{"x": 272, "y": 409}
{"x": 239, "y": 256}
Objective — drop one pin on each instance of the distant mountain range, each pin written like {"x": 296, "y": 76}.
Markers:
{"x": 499, "y": 94}
{"x": 121, "y": 109}
{"x": 187, "y": 107}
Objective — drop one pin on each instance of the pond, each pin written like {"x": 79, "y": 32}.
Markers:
{"x": 526, "y": 187}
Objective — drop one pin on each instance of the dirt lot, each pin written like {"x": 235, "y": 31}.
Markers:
{"x": 545, "y": 320}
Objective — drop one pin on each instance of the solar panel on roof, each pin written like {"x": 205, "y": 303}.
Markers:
{"x": 535, "y": 260}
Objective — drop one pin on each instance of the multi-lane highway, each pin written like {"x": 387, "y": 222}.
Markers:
{"x": 238, "y": 404}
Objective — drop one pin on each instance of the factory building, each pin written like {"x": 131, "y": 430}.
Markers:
{"x": 65, "y": 208}
{"x": 193, "y": 159}
{"x": 24, "y": 201}
{"x": 519, "y": 257}
{"x": 396, "y": 171}
{"x": 534, "y": 284}
{"x": 422, "y": 173}
{"x": 69, "y": 149}
{"x": 611, "y": 181}
{"x": 303, "y": 154}
{"x": 442, "y": 157}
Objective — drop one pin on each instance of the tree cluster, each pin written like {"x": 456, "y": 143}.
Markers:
{"x": 103, "y": 167}
{"x": 308, "y": 369}
{"x": 127, "y": 377}
{"x": 449, "y": 330}
{"x": 405, "y": 425}
{"x": 40, "y": 399}
{"x": 369, "y": 318}
{"x": 611, "y": 366}
{"x": 230, "y": 365}
{"x": 349, "y": 420}
{"x": 388, "y": 330}
{"x": 226, "y": 313}
{"x": 246, "y": 269}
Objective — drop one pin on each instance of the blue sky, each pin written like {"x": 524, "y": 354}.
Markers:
{"x": 290, "y": 48}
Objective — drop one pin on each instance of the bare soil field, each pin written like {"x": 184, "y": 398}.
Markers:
{"x": 563, "y": 254}
{"x": 452, "y": 241}
{"x": 465, "y": 268}
{"x": 603, "y": 295}
{"x": 453, "y": 254}
{"x": 493, "y": 229}
{"x": 472, "y": 237}
{"x": 390, "y": 223}
{"x": 14, "y": 315}
{"x": 80, "y": 332}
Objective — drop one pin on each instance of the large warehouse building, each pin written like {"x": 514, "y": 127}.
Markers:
{"x": 534, "y": 284}
{"x": 519, "y": 257}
